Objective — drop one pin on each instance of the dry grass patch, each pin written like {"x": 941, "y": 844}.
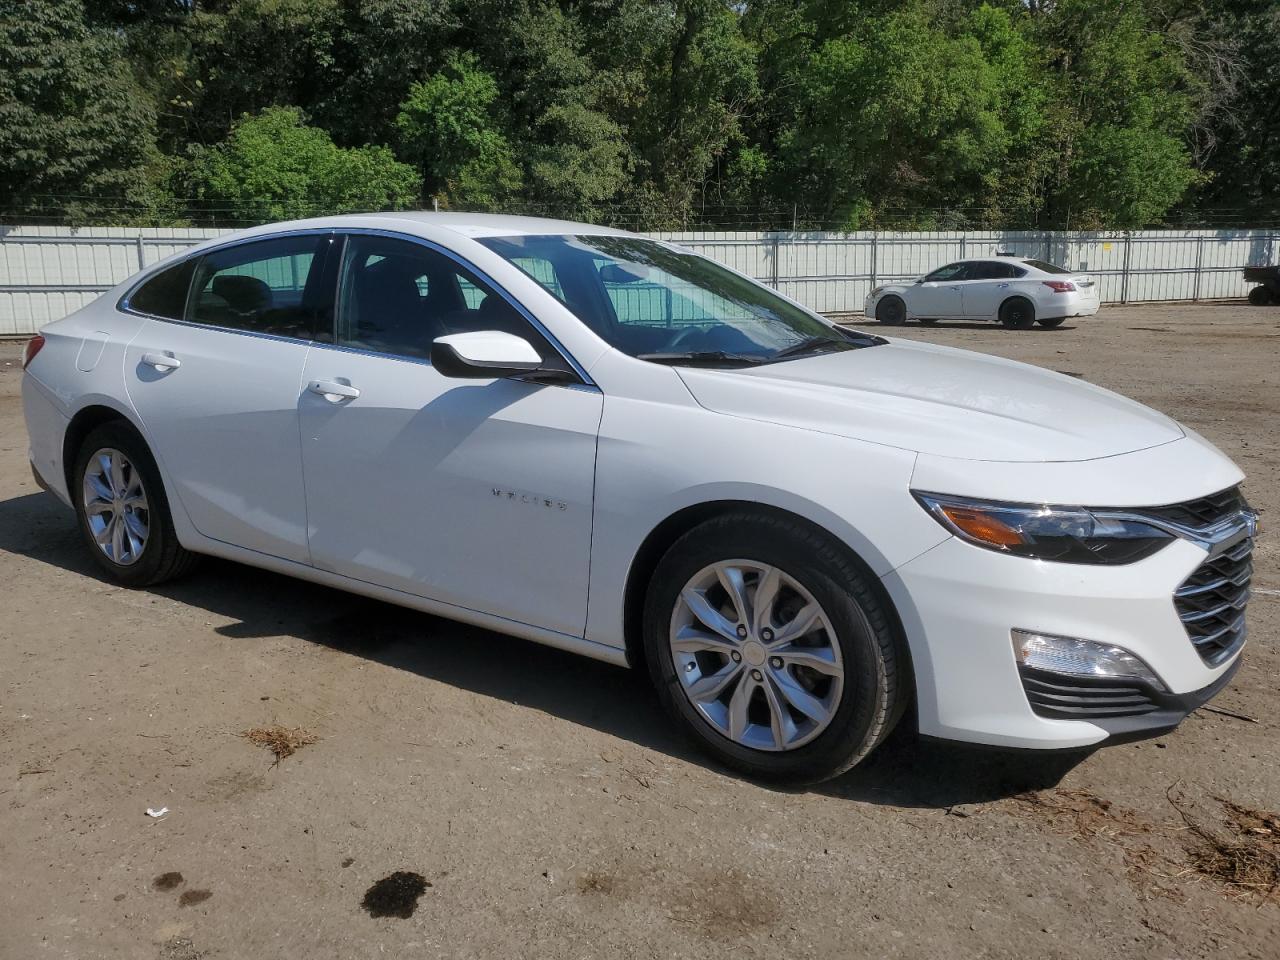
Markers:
{"x": 1245, "y": 856}
{"x": 282, "y": 741}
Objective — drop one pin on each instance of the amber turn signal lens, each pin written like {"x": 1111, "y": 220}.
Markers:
{"x": 984, "y": 527}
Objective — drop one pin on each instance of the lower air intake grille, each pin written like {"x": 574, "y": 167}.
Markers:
{"x": 1081, "y": 698}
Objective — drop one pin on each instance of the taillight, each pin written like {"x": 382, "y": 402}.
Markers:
{"x": 1059, "y": 286}
{"x": 31, "y": 349}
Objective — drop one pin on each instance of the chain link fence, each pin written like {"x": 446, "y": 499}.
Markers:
{"x": 47, "y": 272}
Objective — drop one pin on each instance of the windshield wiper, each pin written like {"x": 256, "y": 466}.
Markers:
{"x": 708, "y": 358}
{"x": 812, "y": 345}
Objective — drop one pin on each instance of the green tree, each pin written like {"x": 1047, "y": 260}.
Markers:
{"x": 450, "y": 126}
{"x": 902, "y": 118}
{"x": 275, "y": 167}
{"x": 1122, "y": 113}
{"x": 77, "y": 135}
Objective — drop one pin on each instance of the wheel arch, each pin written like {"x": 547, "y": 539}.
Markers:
{"x": 1018, "y": 296}
{"x": 671, "y": 529}
{"x": 85, "y": 420}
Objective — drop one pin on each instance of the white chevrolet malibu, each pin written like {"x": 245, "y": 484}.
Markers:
{"x": 609, "y": 444}
{"x": 1016, "y": 291}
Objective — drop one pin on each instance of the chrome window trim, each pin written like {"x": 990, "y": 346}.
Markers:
{"x": 424, "y": 362}
{"x": 457, "y": 258}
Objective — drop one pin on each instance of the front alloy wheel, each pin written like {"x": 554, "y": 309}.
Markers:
{"x": 773, "y": 648}
{"x": 755, "y": 654}
{"x": 115, "y": 506}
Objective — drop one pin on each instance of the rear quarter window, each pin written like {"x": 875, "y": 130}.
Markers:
{"x": 165, "y": 294}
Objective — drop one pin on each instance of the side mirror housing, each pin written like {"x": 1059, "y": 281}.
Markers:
{"x": 484, "y": 355}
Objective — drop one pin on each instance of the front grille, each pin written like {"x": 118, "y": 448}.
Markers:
{"x": 1211, "y": 602}
{"x": 1203, "y": 512}
{"x": 1061, "y": 697}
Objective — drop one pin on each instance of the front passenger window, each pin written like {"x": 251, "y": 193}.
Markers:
{"x": 272, "y": 286}
{"x": 397, "y": 296}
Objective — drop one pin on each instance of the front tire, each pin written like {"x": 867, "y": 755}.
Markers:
{"x": 122, "y": 509}
{"x": 1260, "y": 296}
{"x": 1017, "y": 313}
{"x": 891, "y": 311}
{"x": 772, "y": 650}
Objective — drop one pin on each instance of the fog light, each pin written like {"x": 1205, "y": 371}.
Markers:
{"x": 1079, "y": 658}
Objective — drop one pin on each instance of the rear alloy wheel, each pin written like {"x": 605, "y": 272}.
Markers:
{"x": 1051, "y": 322}
{"x": 1017, "y": 313}
{"x": 122, "y": 509}
{"x": 771, "y": 649}
{"x": 891, "y": 311}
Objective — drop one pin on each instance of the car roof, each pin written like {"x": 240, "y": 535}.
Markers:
{"x": 477, "y": 224}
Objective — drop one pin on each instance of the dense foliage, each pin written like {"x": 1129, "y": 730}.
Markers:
{"x": 651, "y": 113}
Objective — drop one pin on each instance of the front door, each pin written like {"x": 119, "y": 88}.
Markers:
{"x": 939, "y": 294}
{"x": 217, "y": 390}
{"x": 476, "y": 493}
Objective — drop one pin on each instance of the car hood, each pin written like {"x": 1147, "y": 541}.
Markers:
{"x": 937, "y": 400}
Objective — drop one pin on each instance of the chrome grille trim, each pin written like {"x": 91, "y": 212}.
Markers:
{"x": 1211, "y": 601}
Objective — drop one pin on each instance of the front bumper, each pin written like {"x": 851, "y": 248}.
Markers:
{"x": 959, "y": 603}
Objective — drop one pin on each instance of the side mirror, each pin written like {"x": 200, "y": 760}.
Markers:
{"x": 918, "y": 280}
{"x": 484, "y": 354}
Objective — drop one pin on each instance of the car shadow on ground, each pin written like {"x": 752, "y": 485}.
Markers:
{"x": 906, "y": 771}
{"x": 972, "y": 325}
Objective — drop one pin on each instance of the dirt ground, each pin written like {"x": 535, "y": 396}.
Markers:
{"x": 537, "y": 803}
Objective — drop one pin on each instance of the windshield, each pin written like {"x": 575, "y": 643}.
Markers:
{"x": 657, "y": 302}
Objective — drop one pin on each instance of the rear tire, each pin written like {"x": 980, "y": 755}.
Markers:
{"x": 891, "y": 311}
{"x": 1261, "y": 296}
{"x": 1017, "y": 313}
{"x": 1051, "y": 322}
{"x": 122, "y": 509}
{"x": 851, "y": 634}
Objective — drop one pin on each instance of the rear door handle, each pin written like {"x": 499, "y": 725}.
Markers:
{"x": 161, "y": 361}
{"x": 333, "y": 391}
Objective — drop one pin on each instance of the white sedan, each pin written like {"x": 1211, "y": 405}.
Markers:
{"x": 609, "y": 444}
{"x": 1015, "y": 291}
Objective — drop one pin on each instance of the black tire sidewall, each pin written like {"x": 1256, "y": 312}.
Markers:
{"x": 1020, "y": 325}
{"x": 859, "y": 723}
{"x": 891, "y": 322}
{"x": 161, "y": 538}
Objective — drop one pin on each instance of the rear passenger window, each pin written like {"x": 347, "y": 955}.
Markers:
{"x": 165, "y": 294}
{"x": 271, "y": 286}
{"x": 992, "y": 270}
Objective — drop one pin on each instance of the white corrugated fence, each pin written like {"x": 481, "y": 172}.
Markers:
{"x": 47, "y": 272}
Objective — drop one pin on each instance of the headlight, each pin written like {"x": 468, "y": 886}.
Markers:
{"x": 1064, "y": 534}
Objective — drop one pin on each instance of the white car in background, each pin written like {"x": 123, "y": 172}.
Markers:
{"x": 1016, "y": 291}
{"x": 612, "y": 445}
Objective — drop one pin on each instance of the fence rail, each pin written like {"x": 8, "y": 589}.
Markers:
{"x": 48, "y": 272}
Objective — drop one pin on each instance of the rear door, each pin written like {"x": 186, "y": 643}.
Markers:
{"x": 217, "y": 389}
{"x": 989, "y": 283}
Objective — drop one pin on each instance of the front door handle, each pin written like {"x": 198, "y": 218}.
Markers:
{"x": 333, "y": 391}
{"x": 161, "y": 361}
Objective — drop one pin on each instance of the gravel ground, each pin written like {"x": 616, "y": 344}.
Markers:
{"x": 510, "y": 798}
